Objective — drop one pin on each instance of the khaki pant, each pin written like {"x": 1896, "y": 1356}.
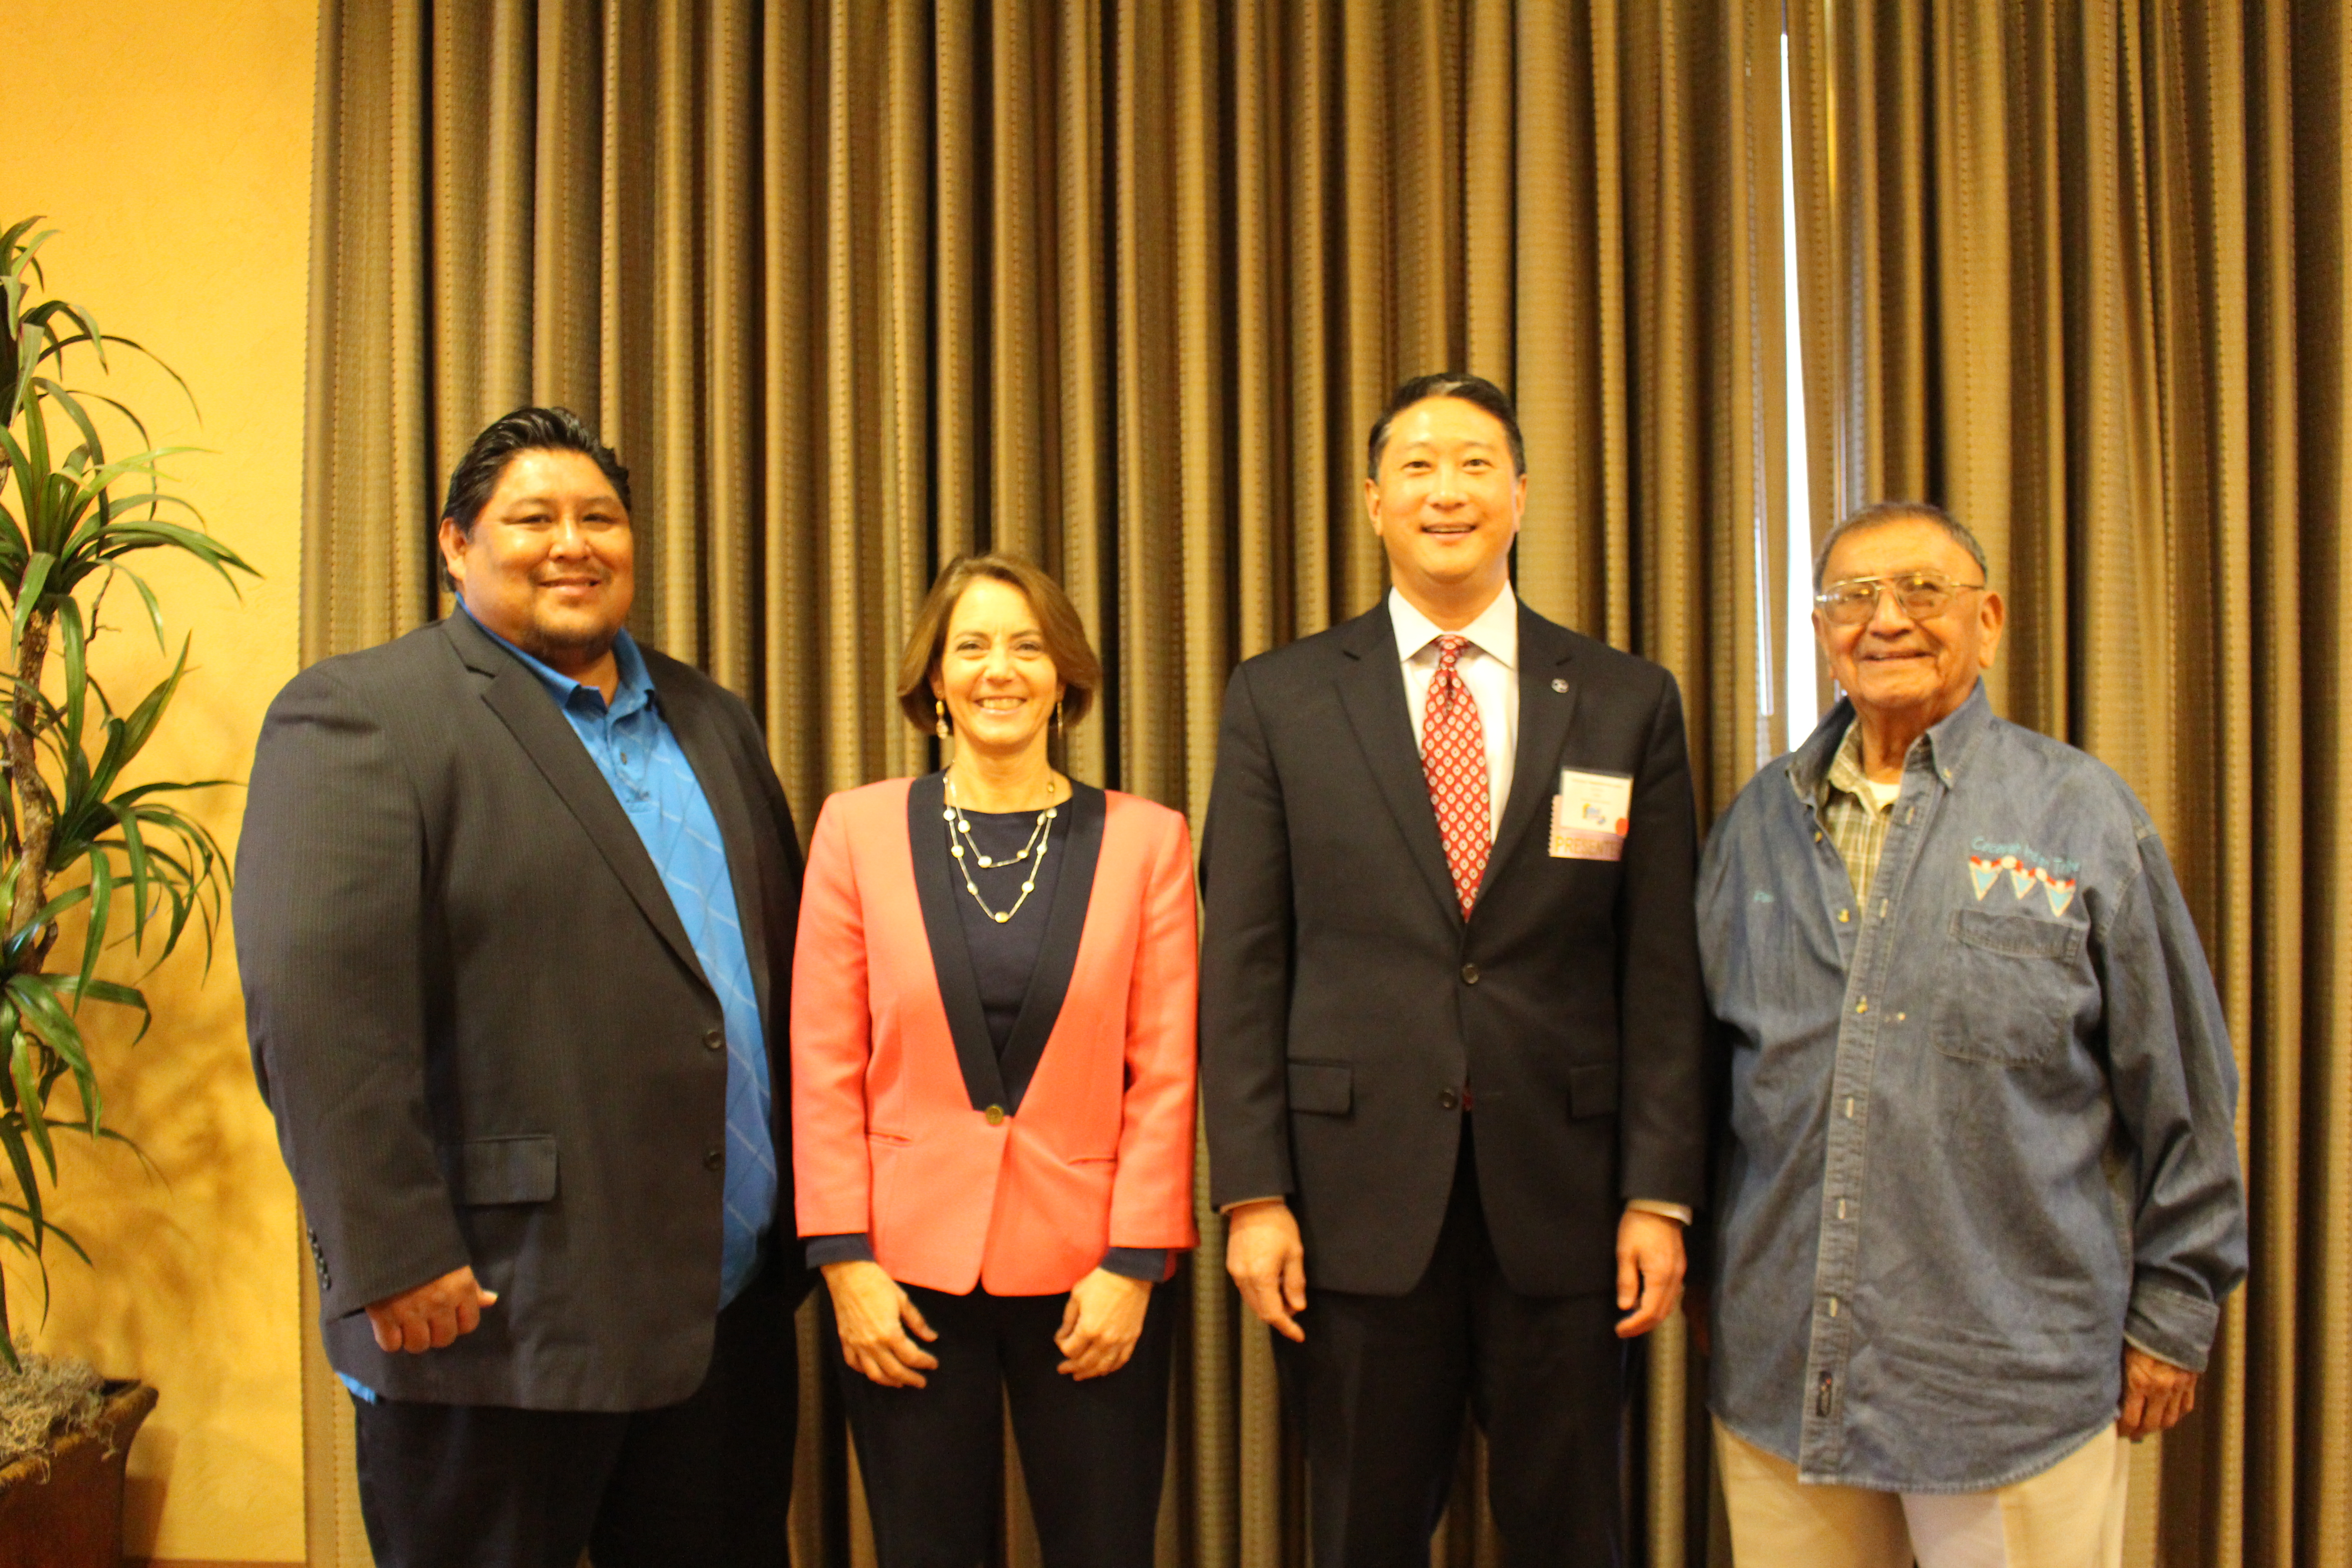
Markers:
{"x": 2069, "y": 1516}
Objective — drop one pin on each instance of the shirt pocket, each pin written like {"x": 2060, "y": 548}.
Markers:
{"x": 2005, "y": 991}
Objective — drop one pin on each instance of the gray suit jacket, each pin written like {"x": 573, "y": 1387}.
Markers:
{"x": 1346, "y": 1005}
{"x": 482, "y": 1027}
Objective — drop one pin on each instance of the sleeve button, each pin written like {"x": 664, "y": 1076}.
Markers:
{"x": 712, "y": 1159}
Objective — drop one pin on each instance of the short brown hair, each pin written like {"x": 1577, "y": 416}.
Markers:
{"x": 1065, "y": 636}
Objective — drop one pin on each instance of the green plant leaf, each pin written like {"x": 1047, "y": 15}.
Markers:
{"x": 29, "y": 1099}
{"x": 20, "y": 1160}
{"x": 101, "y": 903}
{"x": 28, "y": 595}
{"x": 72, "y": 652}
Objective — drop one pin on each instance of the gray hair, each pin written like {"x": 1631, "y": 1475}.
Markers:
{"x": 1882, "y": 511}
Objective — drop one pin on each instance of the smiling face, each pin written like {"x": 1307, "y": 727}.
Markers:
{"x": 550, "y": 564}
{"x": 1908, "y": 670}
{"x": 1446, "y": 507}
{"x": 994, "y": 674}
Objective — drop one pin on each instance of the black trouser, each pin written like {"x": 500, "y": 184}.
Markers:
{"x": 706, "y": 1481}
{"x": 1380, "y": 1388}
{"x": 932, "y": 1457}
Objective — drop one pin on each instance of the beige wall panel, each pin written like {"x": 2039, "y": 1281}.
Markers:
{"x": 178, "y": 174}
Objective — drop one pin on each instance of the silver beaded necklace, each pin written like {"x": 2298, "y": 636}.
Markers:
{"x": 958, "y": 823}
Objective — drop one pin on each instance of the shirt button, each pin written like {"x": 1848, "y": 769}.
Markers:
{"x": 714, "y": 1040}
{"x": 1469, "y": 974}
{"x": 1448, "y": 1100}
{"x": 1841, "y": 917}
{"x": 713, "y": 1158}
{"x": 995, "y": 1114}
{"x": 1862, "y": 1006}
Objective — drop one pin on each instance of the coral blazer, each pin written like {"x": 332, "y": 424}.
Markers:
{"x": 962, "y": 1169}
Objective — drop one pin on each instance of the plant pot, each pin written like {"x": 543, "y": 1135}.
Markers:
{"x": 71, "y": 1516}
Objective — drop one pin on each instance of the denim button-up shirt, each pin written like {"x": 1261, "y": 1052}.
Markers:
{"x": 1980, "y": 1124}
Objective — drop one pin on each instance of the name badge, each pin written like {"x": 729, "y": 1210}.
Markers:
{"x": 1590, "y": 815}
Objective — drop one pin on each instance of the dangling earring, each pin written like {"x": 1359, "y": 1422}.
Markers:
{"x": 941, "y": 725}
{"x": 1057, "y": 715}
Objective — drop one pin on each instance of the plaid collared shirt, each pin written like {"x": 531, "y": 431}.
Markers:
{"x": 1858, "y": 831}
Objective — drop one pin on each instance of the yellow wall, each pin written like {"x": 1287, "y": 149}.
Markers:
{"x": 171, "y": 143}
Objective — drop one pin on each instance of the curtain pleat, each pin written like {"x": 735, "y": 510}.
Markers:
{"x": 2078, "y": 272}
{"x": 854, "y": 288}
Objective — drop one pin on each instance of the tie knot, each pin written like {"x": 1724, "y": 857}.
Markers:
{"x": 1449, "y": 649}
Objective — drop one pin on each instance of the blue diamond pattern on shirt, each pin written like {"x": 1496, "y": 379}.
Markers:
{"x": 633, "y": 747}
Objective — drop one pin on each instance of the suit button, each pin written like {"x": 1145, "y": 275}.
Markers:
{"x": 1448, "y": 1100}
{"x": 1469, "y": 974}
{"x": 995, "y": 1114}
{"x": 712, "y": 1159}
{"x": 714, "y": 1040}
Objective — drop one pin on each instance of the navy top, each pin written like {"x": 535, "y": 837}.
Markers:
{"x": 1004, "y": 952}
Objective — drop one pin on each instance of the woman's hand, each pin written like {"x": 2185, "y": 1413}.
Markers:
{"x": 1101, "y": 1324}
{"x": 874, "y": 1317}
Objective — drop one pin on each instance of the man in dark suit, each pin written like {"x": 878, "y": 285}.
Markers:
{"x": 515, "y": 907}
{"x": 1452, "y": 1024}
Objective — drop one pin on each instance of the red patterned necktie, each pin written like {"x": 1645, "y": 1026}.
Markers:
{"x": 1454, "y": 756}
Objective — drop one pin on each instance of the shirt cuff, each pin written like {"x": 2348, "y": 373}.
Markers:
{"x": 1678, "y": 1213}
{"x": 2171, "y": 1325}
{"x": 1244, "y": 1203}
{"x": 853, "y": 1248}
{"x": 1149, "y": 1264}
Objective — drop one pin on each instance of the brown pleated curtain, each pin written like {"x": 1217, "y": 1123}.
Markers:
{"x": 2079, "y": 272}
{"x": 854, "y": 287}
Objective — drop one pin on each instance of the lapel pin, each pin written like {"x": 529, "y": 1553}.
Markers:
{"x": 1559, "y": 684}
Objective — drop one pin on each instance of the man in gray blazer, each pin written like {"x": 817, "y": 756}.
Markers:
{"x": 515, "y": 907}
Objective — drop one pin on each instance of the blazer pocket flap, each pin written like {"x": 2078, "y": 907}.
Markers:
{"x": 2019, "y": 936}
{"x": 515, "y": 1170}
{"x": 1328, "y": 1089}
{"x": 1593, "y": 1089}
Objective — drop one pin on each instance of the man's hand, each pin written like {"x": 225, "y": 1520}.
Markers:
{"x": 1649, "y": 1271}
{"x": 430, "y": 1317}
{"x": 1268, "y": 1262}
{"x": 873, "y": 1316}
{"x": 2157, "y": 1394}
{"x": 1101, "y": 1324}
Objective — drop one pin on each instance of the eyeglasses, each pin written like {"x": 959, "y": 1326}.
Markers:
{"x": 1921, "y": 595}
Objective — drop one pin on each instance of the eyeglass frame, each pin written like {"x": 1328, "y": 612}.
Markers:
{"x": 1882, "y": 586}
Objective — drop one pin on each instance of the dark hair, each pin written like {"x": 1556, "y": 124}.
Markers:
{"x": 478, "y": 473}
{"x": 1474, "y": 390}
{"x": 1065, "y": 636}
{"x": 1882, "y": 511}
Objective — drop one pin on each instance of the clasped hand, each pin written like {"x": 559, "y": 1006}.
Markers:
{"x": 879, "y": 1324}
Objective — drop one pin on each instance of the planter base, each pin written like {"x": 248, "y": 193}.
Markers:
{"x": 73, "y": 1518}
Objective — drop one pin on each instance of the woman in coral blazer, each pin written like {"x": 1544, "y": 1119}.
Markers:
{"x": 993, "y": 1066}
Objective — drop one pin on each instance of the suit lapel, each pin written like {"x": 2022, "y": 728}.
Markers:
{"x": 1057, "y": 956}
{"x": 547, "y": 738}
{"x": 1546, "y": 710}
{"x": 690, "y": 718}
{"x": 935, "y": 888}
{"x": 1371, "y": 689}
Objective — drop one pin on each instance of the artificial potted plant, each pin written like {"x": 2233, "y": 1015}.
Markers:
{"x": 88, "y": 861}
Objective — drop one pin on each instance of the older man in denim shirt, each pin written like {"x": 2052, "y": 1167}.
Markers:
{"x": 1981, "y": 1199}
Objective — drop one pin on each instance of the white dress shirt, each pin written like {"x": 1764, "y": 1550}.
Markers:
{"x": 1489, "y": 668}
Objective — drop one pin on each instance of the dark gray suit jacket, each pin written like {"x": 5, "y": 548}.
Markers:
{"x": 482, "y": 1027}
{"x": 1345, "y": 1004}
